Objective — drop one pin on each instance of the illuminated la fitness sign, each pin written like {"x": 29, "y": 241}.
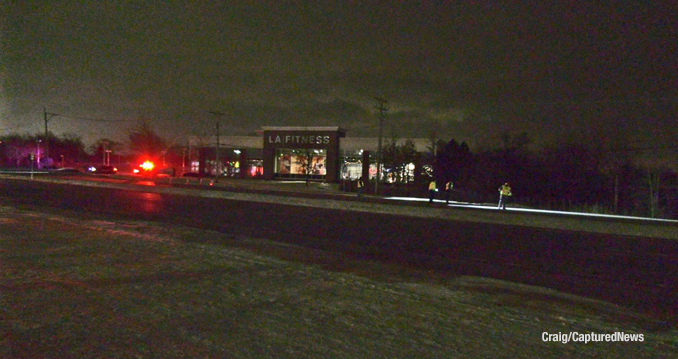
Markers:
{"x": 299, "y": 140}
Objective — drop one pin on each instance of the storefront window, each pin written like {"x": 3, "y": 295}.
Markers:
{"x": 300, "y": 163}
{"x": 352, "y": 168}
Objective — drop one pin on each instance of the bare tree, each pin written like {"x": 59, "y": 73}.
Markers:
{"x": 145, "y": 141}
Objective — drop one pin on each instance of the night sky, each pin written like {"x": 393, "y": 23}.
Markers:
{"x": 469, "y": 70}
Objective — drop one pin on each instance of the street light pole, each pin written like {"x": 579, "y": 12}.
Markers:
{"x": 51, "y": 115}
{"x": 183, "y": 160}
{"x": 37, "y": 142}
{"x": 216, "y": 148}
{"x": 103, "y": 152}
{"x": 216, "y": 157}
{"x": 381, "y": 109}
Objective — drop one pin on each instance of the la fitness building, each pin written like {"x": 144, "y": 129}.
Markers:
{"x": 291, "y": 153}
{"x": 305, "y": 151}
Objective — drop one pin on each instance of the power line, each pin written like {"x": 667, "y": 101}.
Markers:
{"x": 94, "y": 119}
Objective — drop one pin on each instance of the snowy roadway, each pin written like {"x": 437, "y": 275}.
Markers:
{"x": 529, "y": 210}
{"x": 324, "y": 196}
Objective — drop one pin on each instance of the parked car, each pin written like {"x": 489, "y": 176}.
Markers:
{"x": 103, "y": 170}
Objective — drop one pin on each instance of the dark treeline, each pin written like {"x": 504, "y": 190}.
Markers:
{"x": 20, "y": 151}
{"x": 566, "y": 176}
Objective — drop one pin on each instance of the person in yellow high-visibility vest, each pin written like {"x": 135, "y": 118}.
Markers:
{"x": 504, "y": 194}
{"x": 448, "y": 189}
{"x": 361, "y": 187}
{"x": 431, "y": 191}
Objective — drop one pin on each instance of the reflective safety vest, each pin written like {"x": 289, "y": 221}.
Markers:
{"x": 505, "y": 190}
{"x": 432, "y": 186}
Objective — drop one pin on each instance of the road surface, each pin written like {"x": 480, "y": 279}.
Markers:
{"x": 629, "y": 270}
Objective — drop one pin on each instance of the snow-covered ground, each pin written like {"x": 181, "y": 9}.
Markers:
{"x": 76, "y": 287}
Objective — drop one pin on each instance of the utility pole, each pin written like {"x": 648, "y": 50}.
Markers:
{"x": 216, "y": 148}
{"x": 183, "y": 160}
{"x": 103, "y": 152}
{"x": 37, "y": 157}
{"x": 216, "y": 157}
{"x": 51, "y": 115}
{"x": 381, "y": 109}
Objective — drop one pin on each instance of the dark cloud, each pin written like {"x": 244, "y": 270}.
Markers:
{"x": 468, "y": 71}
